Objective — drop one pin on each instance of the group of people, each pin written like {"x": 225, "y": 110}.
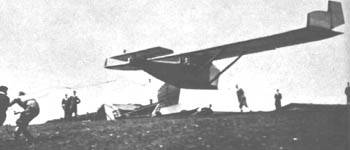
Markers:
{"x": 70, "y": 105}
{"x": 242, "y": 100}
{"x": 278, "y": 97}
{"x": 30, "y": 111}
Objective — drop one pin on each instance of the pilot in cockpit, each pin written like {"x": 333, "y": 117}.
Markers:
{"x": 185, "y": 60}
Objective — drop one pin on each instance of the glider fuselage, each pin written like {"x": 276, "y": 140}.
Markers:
{"x": 181, "y": 75}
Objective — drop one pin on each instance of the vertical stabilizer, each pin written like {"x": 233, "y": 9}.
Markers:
{"x": 336, "y": 11}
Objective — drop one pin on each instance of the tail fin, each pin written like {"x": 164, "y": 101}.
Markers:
{"x": 336, "y": 11}
{"x": 332, "y": 18}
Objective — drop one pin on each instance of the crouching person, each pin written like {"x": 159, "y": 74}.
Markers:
{"x": 31, "y": 110}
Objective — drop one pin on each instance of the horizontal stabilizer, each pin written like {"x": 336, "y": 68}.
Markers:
{"x": 122, "y": 67}
{"x": 144, "y": 54}
{"x": 327, "y": 19}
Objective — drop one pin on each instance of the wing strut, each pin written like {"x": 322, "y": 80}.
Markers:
{"x": 228, "y": 66}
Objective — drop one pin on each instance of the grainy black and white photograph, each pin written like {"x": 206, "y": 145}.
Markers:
{"x": 174, "y": 75}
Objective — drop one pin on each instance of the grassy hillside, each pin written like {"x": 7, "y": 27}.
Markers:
{"x": 323, "y": 129}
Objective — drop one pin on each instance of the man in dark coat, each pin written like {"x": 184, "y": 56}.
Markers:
{"x": 73, "y": 102}
{"x": 4, "y": 104}
{"x": 65, "y": 106}
{"x": 31, "y": 110}
{"x": 347, "y": 93}
{"x": 241, "y": 98}
{"x": 278, "y": 97}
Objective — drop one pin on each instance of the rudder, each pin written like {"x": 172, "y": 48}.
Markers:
{"x": 336, "y": 11}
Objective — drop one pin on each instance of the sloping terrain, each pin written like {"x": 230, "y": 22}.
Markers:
{"x": 317, "y": 129}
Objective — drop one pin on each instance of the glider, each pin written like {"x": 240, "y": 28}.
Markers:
{"x": 195, "y": 70}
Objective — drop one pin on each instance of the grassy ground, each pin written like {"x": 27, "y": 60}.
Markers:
{"x": 292, "y": 130}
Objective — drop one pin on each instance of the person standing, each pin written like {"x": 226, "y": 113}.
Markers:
{"x": 73, "y": 104}
{"x": 347, "y": 93}
{"x": 241, "y": 98}
{"x": 278, "y": 97}
{"x": 4, "y": 104}
{"x": 31, "y": 110}
{"x": 65, "y": 106}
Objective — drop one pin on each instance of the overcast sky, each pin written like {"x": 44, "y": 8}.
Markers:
{"x": 48, "y": 45}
